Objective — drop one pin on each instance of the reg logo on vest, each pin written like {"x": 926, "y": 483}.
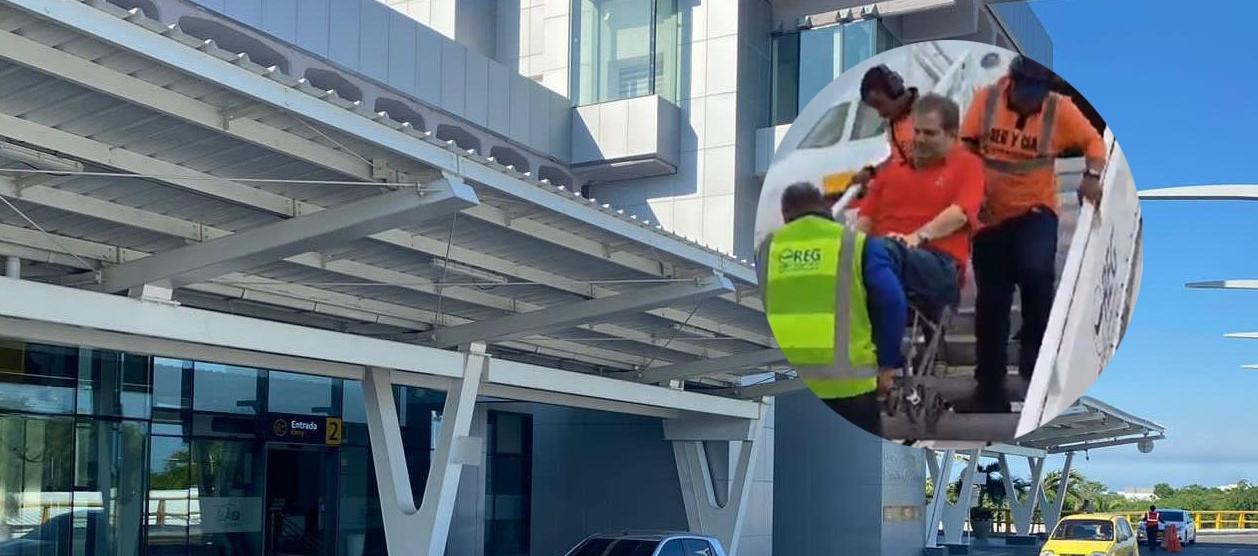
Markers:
{"x": 791, "y": 261}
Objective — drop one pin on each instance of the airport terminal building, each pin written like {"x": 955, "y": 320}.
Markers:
{"x": 351, "y": 277}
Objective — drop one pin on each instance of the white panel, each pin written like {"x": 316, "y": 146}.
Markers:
{"x": 557, "y": 81}
{"x": 718, "y": 171}
{"x": 561, "y": 117}
{"x": 402, "y": 51}
{"x": 499, "y": 115}
{"x": 556, "y": 7}
{"x": 585, "y": 126}
{"x": 722, "y": 18}
{"x": 539, "y": 116}
{"x": 476, "y": 91}
{"x": 693, "y": 112}
{"x": 453, "y": 76}
{"x": 613, "y": 129}
{"x": 722, "y": 65}
{"x": 279, "y": 18}
{"x": 695, "y": 18}
{"x": 428, "y": 65}
{"x": 643, "y": 121}
{"x": 373, "y": 54}
{"x": 248, "y": 12}
{"x": 720, "y": 120}
{"x": 718, "y": 222}
{"x": 343, "y": 44}
{"x": 695, "y": 67}
{"x": 312, "y": 26}
{"x": 537, "y": 40}
{"x": 526, "y": 31}
{"x": 555, "y": 43}
{"x": 520, "y": 102}
{"x": 688, "y": 218}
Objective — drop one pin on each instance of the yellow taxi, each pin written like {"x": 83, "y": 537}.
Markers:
{"x": 1092, "y": 535}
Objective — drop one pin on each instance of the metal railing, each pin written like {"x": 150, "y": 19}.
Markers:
{"x": 1002, "y": 520}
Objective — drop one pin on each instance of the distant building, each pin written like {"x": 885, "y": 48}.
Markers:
{"x": 1136, "y": 493}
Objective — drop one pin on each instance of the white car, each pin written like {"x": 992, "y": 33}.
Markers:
{"x": 1185, "y": 527}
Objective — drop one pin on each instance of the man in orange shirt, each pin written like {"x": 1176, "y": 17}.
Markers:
{"x": 928, "y": 206}
{"x": 1019, "y": 127}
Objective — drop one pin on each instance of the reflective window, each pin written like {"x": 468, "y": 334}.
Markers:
{"x": 696, "y": 547}
{"x": 225, "y": 389}
{"x": 826, "y": 52}
{"x": 592, "y": 547}
{"x": 828, "y": 130}
{"x": 632, "y": 547}
{"x": 227, "y": 494}
{"x": 360, "y": 531}
{"x": 169, "y": 511}
{"x": 672, "y": 548}
{"x": 867, "y": 123}
{"x": 113, "y": 384}
{"x": 36, "y": 470}
{"x": 298, "y": 393}
{"x": 37, "y": 378}
{"x": 108, "y": 487}
{"x": 626, "y": 49}
{"x": 507, "y": 494}
{"x": 172, "y": 388}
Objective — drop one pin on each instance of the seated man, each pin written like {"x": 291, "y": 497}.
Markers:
{"x": 928, "y": 206}
{"x": 835, "y": 306}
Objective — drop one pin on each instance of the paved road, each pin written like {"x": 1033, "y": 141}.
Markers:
{"x": 1211, "y": 545}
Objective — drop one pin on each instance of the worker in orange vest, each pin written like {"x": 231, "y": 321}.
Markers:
{"x": 1019, "y": 127}
{"x": 883, "y": 90}
{"x": 1151, "y": 520}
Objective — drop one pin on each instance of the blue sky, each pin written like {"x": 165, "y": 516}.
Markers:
{"x": 1178, "y": 89}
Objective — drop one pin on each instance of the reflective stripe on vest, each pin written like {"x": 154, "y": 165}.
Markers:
{"x": 810, "y": 268}
{"x": 1151, "y": 518}
{"x": 1044, "y": 158}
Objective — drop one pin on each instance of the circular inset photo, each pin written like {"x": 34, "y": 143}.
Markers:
{"x": 948, "y": 244}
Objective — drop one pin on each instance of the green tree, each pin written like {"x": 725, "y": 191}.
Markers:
{"x": 1163, "y": 490}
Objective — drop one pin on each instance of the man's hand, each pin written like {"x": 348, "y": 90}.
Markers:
{"x": 886, "y": 380}
{"x": 912, "y": 241}
{"x": 1090, "y": 189}
{"x": 864, "y": 175}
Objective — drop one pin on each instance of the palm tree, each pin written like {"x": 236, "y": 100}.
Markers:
{"x": 1074, "y": 496}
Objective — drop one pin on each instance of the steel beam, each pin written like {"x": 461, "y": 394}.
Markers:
{"x": 763, "y": 389}
{"x": 98, "y": 77}
{"x": 1242, "y": 192}
{"x": 1072, "y": 448}
{"x": 1225, "y": 285}
{"x": 112, "y": 30}
{"x": 717, "y": 365}
{"x": 271, "y": 242}
{"x": 581, "y": 312}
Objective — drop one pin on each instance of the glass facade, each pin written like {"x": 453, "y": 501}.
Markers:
{"x": 105, "y": 453}
{"x": 625, "y": 49}
{"x": 830, "y": 51}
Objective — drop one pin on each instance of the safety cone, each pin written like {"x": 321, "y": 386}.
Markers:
{"x": 1171, "y": 539}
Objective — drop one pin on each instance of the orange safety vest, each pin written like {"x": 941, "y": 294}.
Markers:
{"x": 1018, "y": 182}
{"x": 1151, "y": 519}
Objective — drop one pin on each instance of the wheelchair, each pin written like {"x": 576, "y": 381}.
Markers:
{"x": 913, "y": 394}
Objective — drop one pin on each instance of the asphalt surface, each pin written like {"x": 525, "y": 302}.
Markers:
{"x": 1207, "y": 545}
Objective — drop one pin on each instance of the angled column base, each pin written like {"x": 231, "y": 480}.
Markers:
{"x": 422, "y": 530}
{"x": 697, "y": 444}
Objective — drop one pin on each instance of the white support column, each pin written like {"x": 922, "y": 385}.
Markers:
{"x": 940, "y": 476}
{"x": 698, "y": 489}
{"x": 13, "y": 267}
{"x": 1051, "y": 512}
{"x": 955, "y": 514}
{"x": 1023, "y": 510}
{"x": 422, "y": 530}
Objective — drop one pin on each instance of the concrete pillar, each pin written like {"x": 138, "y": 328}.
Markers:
{"x": 13, "y": 267}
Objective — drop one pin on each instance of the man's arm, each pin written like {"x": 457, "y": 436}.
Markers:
{"x": 886, "y": 303}
{"x": 1075, "y": 131}
{"x": 968, "y": 190}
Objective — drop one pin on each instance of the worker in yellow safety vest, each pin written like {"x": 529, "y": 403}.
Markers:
{"x": 835, "y": 305}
